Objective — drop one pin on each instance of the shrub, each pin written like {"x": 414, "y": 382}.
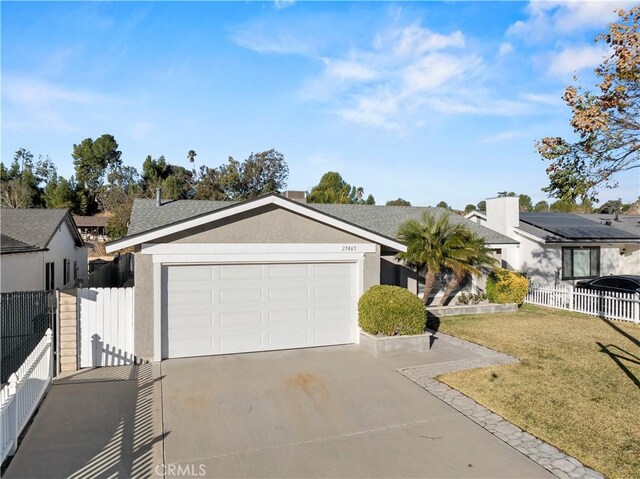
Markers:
{"x": 504, "y": 286}
{"x": 391, "y": 310}
{"x": 470, "y": 298}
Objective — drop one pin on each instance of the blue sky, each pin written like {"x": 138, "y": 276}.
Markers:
{"x": 427, "y": 101}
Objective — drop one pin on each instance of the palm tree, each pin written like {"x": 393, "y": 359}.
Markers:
{"x": 479, "y": 260}
{"x": 433, "y": 244}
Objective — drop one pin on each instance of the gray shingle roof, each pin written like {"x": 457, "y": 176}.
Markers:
{"x": 630, "y": 223}
{"x": 383, "y": 220}
{"x": 12, "y": 245}
{"x": 31, "y": 227}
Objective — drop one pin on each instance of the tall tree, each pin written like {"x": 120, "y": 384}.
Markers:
{"x": 20, "y": 184}
{"x": 541, "y": 207}
{"x": 175, "y": 181}
{"x": 469, "y": 208}
{"x": 92, "y": 159}
{"x": 332, "y": 188}
{"x": 606, "y": 121}
{"x": 433, "y": 244}
{"x": 443, "y": 204}
{"x": 122, "y": 183}
{"x": 398, "y": 202}
{"x": 261, "y": 173}
{"x": 482, "y": 205}
{"x": 59, "y": 193}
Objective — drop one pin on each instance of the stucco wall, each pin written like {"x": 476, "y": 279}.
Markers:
{"x": 543, "y": 263}
{"x": 21, "y": 272}
{"x": 26, "y": 271}
{"x": 62, "y": 246}
{"x": 267, "y": 225}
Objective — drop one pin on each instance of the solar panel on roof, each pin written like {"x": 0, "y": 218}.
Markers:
{"x": 574, "y": 227}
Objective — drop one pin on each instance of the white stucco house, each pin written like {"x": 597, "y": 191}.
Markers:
{"x": 557, "y": 248}
{"x": 214, "y": 277}
{"x": 40, "y": 249}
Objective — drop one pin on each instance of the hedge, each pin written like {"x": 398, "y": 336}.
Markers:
{"x": 391, "y": 310}
{"x": 504, "y": 286}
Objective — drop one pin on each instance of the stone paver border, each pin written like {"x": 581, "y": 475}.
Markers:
{"x": 549, "y": 457}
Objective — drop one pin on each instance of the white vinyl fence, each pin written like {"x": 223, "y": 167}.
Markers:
{"x": 105, "y": 322}
{"x": 20, "y": 398}
{"x": 605, "y": 304}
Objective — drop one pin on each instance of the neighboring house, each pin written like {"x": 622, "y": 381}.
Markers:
{"x": 40, "y": 249}
{"x": 92, "y": 227}
{"x": 563, "y": 247}
{"x": 269, "y": 273}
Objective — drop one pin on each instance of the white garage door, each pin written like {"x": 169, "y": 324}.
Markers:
{"x": 220, "y": 309}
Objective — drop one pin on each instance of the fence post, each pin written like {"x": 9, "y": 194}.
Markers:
{"x": 49, "y": 336}
{"x": 571, "y": 291}
{"x": 13, "y": 413}
{"x": 636, "y": 312}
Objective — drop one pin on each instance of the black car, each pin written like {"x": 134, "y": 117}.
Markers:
{"x": 625, "y": 283}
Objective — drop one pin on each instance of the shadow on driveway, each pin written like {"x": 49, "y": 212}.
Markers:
{"x": 103, "y": 422}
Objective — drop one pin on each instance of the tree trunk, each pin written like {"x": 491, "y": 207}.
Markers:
{"x": 429, "y": 281}
{"x": 450, "y": 288}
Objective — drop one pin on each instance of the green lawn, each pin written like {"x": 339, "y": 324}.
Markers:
{"x": 577, "y": 385}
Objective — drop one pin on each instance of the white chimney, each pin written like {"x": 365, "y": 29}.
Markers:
{"x": 503, "y": 214}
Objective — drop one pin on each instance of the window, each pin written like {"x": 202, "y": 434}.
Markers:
{"x": 50, "y": 276}
{"x": 75, "y": 270}
{"x": 66, "y": 271}
{"x": 580, "y": 263}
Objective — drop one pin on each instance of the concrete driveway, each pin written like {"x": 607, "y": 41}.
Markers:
{"x": 322, "y": 412}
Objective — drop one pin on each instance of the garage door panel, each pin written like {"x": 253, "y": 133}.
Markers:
{"x": 183, "y": 321}
{"x": 241, "y": 342}
{"x": 331, "y": 270}
{"x": 242, "y": 272}
{"x": 291, "y": 316}
{"x": 242, "y": 308}
{"x": 240, "y": 295}
{"x": 332, "y": 292}
{"x": 189, "y": 274}
{"x": 331, "y": 314}
{"x": 284, "y": 293}
{"x": 190, "y": 297}
{"x": 288, "y": 339}
{"x": 240, "y": 319}
{"x": 287, "y": 271}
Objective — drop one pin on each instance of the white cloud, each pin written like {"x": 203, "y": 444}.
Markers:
{"x": 502, "y": 137}
{"x": 574, "y": 59}
{"x": 33, "y": 93}
{"x": 33, "y": 103}
{"x": 505, "y": 49}
{"x": 544, "y": 98}
{"x": 382, "y": 85}
{"x": 349, "y": 70}
{"x": 549, "y": 19}
{"x": 413, "y": 40}
{"x": 262, "y": 41}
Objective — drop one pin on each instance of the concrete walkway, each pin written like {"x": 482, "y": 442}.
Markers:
{"x": 321, "y": 412}
{"x": 103, "y": 422}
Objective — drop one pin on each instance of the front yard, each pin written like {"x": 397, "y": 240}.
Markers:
{"x": 577, "y": 385}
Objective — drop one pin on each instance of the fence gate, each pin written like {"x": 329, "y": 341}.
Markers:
{"x": 25, "y": 316}
{"x": 105, "y": 327}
